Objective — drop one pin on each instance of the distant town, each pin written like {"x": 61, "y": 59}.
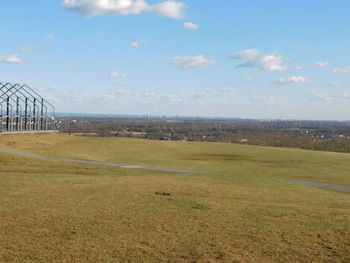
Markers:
{"x": 314, "y": 135}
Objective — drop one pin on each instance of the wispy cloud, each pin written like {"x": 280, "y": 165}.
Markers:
{"x": 214, "y": 93}
{"x": 293, "y": 80}
{"x": 247, "y": 54}
{"x": 322, "y": 64}
{"x": 138, "y": 43}
{"x": 116, "y": 75}
{"x": 73, "y": 68}
{"x": 190, "y": 25}
{"x": 337, "y": 99}
{"x": 334, "y": 83}
{"x": 26, "y": 48}
{"x": 188, "y": 62}
{"x": 263, "y": 97}
{"x": 174, "y": 97}
{"x": 344, "y": 96}
{"x": 322, "y": 98}
{"x": 12, "y": 59}
{"x": 341, "y": 70}
{"x": 50, "y": 36}
{"x": 227, "y": 89}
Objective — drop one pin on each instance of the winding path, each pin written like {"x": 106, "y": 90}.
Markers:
{"x": 335, "y": 187}
{"x": 122, "y": 165}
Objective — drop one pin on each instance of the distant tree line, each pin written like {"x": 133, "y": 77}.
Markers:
{"x": 315, "y": 135}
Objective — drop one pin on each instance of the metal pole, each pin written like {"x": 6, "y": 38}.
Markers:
{"x": 42, "y": 114}
{"x": 34, "y": 112}
{"x": 17, "y": 114}
{"x": 26, "y": 114}
{"x": 8, "y": 114}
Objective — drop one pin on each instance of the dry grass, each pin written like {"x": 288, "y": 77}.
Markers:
{"x": 220, "y": 158}
{"x": 237, "y": 212}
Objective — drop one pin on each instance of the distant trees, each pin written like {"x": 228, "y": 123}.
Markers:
{"x": 326, "y": 136}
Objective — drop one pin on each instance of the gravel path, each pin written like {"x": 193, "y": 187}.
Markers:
{"x": 154, "y": 168}
{"x": 336, "y": 187}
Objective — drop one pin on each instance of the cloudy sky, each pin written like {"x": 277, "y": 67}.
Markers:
{"x": 260, "y": 59}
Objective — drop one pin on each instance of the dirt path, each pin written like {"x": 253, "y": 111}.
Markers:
{"x": 336, "y": 187}
{"x": 130, "y": 166}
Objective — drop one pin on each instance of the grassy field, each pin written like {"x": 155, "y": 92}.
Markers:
{"x": 239, "y": 211}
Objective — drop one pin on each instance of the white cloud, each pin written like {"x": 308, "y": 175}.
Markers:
{"x": 248, "y": 78}
{"x": 26, "y": 48}
{"x": 341, "y": 70}
{"x": 50, "y": 36}
{"x": 251, "y": 59}
{"x": 171, "y": 9}
{"x": 323, "y": 98}
{"x": 116, "y": 75}
{"x": 322, "y": 64}
{"x": 190, "y": 25}
{"x": 136, "y": 44}
{"x": 163, "y": 97}
{"x": 334, "y": 84}
{"x": 119, "y": 83}
{"x": 293, "y": 80}
{"x": 227, "y": 89}
{"x": 203, "y": 95}
{"x": 262, "y": 97}
{"x": 168, "y": 8}
{"x": 338, "y": 99}
{"x": 344, "y": 96}
{"x": 269, "y": 62}
{"x": 216, "y": 93}
{"x": 12, "y": 59}
{"x": 118, "y": 95}
{"x": 109, "y": 96}
{"x": 192, "y": 61}
{"x": 122, "y": 92}
{"x": 73, "y": 68}
{"x": 247, "y": 54}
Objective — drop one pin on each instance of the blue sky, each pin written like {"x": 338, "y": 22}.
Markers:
{"x": 229, "y": 58}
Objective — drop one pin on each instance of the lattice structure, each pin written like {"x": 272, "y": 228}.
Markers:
{"x": 24, "y": 110}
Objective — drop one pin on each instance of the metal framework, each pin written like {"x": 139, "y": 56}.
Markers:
{"x": 24, "y": 110}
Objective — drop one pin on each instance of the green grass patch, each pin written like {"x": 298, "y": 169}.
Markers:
{"x": 237, "y": 212}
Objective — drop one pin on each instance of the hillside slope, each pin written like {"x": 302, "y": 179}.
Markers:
{"x": 239, "y": 211}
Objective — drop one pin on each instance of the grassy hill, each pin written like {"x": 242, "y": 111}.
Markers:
{"x": 238, "y": 211}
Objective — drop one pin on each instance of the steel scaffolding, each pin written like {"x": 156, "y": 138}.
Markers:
{"x": 24, "y": 110}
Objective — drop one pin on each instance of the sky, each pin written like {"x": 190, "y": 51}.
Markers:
{"x": 260, "y": 59}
